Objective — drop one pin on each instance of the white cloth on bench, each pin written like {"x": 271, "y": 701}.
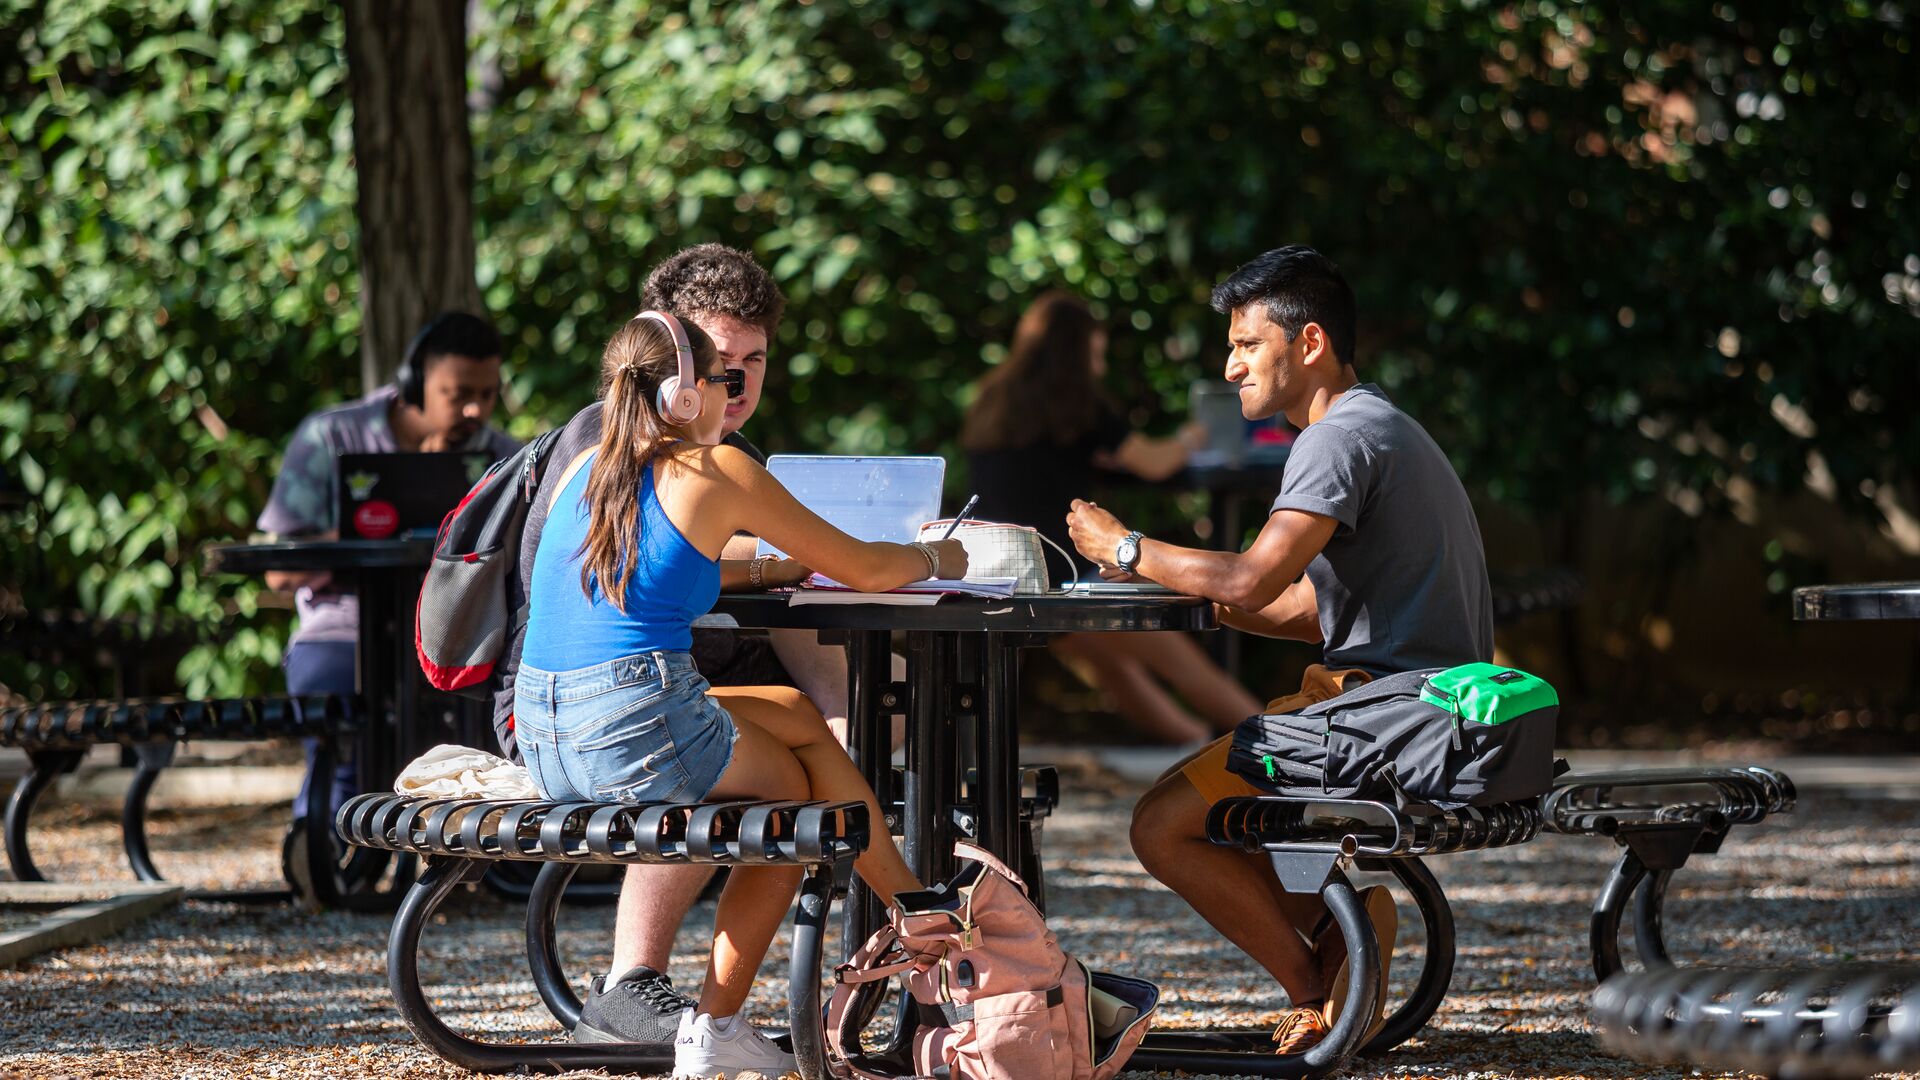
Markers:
{"x": 461, "y": 772}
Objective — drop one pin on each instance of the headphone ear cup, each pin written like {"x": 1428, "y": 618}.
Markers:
{"x": 677, "y": 404}
{"x": 408, "y": 378}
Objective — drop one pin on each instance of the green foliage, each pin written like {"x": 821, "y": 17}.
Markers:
{"x": 1659, "y": 249}
{"x": 177, "y": 290}
{"x": 1663, "y": 249}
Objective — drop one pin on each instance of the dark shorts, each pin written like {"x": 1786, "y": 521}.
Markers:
{"x": 738, "y": 658}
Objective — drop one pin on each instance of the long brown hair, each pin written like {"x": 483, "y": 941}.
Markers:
{"x": 1045, "y": 389}
{"x": 637, "y": 360}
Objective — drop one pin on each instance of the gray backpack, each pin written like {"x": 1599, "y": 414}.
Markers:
{"x": 1472, "y": 735}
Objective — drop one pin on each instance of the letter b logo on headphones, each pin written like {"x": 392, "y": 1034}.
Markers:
{"x": 679, "y": 399}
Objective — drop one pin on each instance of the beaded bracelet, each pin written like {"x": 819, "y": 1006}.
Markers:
{"x": 757, "y": 572}
{"x": 932, "y": 556}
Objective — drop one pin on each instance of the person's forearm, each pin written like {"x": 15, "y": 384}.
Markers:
{"x": 295, "y": 580}
{"x": 885, "y": 566}
{"x": 1224, "y": 576}
{"x": 1291, "y": 617}
{"x": 736, "y": 575}
{"x": 1160, "y": 459}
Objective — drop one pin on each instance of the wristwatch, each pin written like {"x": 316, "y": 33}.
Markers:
{"x": 1127, "y": 555}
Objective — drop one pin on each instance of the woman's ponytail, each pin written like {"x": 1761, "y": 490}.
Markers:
{"x": 632, "y": 434}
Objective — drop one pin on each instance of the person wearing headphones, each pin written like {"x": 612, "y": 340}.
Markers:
{"x": 610, "y": 704}
{"x": 441, "y": 399}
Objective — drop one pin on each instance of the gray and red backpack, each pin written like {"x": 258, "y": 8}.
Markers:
{"x": 466, "y": 615}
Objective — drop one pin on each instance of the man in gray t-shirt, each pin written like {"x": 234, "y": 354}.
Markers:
{"x": 1371, "y": 550}
{"x": 1402, "y": 582}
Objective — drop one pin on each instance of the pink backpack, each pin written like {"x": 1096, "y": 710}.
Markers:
{"x": 996, "y": 998}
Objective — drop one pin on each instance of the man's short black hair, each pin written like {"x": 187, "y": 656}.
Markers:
{"x": 457, "y": 333}
{"x": 1298, "y": 285}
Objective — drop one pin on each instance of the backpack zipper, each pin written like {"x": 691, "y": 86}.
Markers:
{"x": 1453, "y": 711}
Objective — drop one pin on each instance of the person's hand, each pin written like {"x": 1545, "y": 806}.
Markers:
{"x": 787, "y": 572}
{"x": 952, "y": 557}
{"x": 1095, "y": 532}
{"x": 1114, "y": 573}
{"x": 292, "y": 581}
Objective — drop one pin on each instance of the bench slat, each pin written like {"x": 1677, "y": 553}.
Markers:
{"x": 730, "y": 833}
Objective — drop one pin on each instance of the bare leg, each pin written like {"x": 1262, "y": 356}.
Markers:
{"x": 654, "y": 901}
{"x": 1233, "y": 890}
{"x": 791, "y": 718}
{"x": 1182, "y": 664}
{"x": 1131, "y": 688}
{"x": 784, "y": 752}
{"x": 755, "y": 899}
{"x": 820, "y": 671}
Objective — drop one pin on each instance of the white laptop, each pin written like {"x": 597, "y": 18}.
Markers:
{"x": 870, "y": 498}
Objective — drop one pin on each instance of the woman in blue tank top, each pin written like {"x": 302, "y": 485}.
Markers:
{"x": 608, "y": 705}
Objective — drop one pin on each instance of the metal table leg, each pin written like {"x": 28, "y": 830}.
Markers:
{"x": 997, "y": 750}
{"x": 871, "y": 705}
{"x": 932, "y": 748}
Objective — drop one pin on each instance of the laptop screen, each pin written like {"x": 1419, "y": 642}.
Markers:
{"x": 869, "y": 498}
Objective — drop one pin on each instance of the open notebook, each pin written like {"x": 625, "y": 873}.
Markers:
{"x": 825, "y": 590}
{"x": 873, "y": 498}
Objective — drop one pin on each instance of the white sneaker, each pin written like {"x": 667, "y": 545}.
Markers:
{"x": 702, "y": 1050}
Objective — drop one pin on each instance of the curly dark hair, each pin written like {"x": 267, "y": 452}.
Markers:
{"x": 714, "y": 279}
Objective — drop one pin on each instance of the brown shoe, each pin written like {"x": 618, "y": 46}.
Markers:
{"x": 1378, "y": 902}
{"x": 1300, "y": 1029}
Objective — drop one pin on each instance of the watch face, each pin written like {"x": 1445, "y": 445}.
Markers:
{"x": 1128, "y": 553}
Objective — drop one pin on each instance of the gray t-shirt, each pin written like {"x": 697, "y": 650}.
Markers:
{"x": 302, "y": 502}
{"x": 1402, "y": 585}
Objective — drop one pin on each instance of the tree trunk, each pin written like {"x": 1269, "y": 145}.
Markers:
{"x": 413, "y": 156}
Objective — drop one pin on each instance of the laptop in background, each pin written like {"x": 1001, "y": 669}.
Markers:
{"x": 379, "y": 496}
{"x": 869, "y": 498}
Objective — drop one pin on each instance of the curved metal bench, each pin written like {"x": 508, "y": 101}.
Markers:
{"x": 1039, "y": 794}
{"x": 1660, "y": 817}
{"x": 1310, "y": 853}
{"x": 57, "y": 735}
{"x": 461, "y": 839}
{"x": 1796, "y": 1023}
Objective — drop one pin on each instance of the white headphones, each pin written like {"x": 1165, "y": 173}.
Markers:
{"x": 679, "y": 399}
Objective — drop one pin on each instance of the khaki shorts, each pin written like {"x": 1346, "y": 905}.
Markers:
{"x": 1207, "y": 771}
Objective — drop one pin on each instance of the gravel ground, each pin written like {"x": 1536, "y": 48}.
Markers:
{"x": 218, "y": 990}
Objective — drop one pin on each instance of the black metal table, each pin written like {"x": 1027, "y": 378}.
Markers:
{"x": 960, "y": 699}
{"x": 1873, "y": 600}
{"x": 386, "y": 575}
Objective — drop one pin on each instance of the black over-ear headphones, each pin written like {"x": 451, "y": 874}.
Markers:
{"x": 412, "y": 376}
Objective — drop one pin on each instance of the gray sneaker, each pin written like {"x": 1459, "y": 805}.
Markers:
{"x": 640, "y": 1006}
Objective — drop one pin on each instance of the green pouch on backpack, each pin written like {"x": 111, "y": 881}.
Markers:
{"x": 1488, "y": 693}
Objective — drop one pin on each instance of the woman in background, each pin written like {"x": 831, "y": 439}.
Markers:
{"x": 1037, "y": 430}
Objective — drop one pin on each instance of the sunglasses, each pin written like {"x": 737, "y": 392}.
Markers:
{"x": 734, "y": 379}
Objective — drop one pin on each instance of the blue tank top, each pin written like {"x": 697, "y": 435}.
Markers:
{"x": 671, "y": 585}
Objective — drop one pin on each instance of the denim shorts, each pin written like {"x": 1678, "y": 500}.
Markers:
{"x": 637, "y": 729}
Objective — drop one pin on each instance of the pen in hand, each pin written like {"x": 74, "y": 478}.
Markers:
{"x": 959, "y": 517}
